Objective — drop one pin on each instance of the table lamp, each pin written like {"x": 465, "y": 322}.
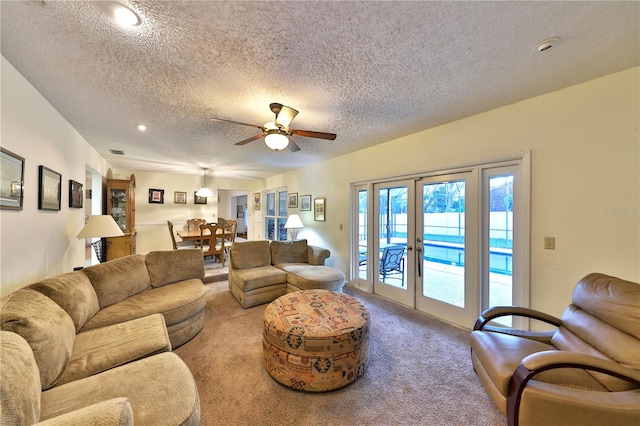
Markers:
{"x": 100, "y": 226}
{"x": 293, "y": 224}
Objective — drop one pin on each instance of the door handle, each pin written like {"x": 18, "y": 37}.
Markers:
{"x": 419, "y": 259}
{"x": 409, "y": 248}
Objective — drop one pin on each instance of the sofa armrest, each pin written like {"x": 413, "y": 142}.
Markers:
{"x": 317, "y": 255}
{"x": 117, "y": 412}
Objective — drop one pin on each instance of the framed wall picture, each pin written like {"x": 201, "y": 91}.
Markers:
{"x": 75, "y": 194}
{"x": 240, "y": 215}
{"x": 156, "y": 196}
{"x": 11, "y": 186}
{"x": 256, "y": 201}
{"x": 180, "y": 197}
{"x": 292, "y": 200}
{"x": 49, "y": 184}
{"x": 319, "y": 209}
{"x": 199, "y": 200}
{"x": 305, "y": 203}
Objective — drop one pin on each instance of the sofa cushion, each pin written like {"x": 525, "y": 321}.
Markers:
{"x": 106, "y": 347}
{"x": 161, "y": 390}
{"x": 289, "y": 252}
{"x": 19, "y": 382}
{"x": 45, "y": 326}
{"x": 252, "y": 278}
{"x": 74, "y": 293}
{"x": 171, "y": 266}
{"x": 118, "y": 279}
{"x": 250, "y": 254}
{"x": 175, "y": 302}
{"x": 306, "y": 277}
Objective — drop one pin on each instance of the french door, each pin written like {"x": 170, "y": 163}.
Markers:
{"x": 448, "y": 244}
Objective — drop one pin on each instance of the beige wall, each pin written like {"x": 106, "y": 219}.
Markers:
{"x": 585, "y": 183}
{"x": 35, "y": 243}
{"x": 585, "y": 179}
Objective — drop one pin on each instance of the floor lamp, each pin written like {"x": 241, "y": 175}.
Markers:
{"x": 293, "y": 224}
{"x": 101, "y": 226}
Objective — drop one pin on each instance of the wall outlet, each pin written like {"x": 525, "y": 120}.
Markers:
{"x": 549, "y": 243}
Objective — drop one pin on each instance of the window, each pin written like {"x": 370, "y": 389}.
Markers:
{"x": 275, "y": 215}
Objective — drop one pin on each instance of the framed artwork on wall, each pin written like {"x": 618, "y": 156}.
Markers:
{"x": 256, "y": 201}
{"x": 49, "y": 184}
{"x": 11, "y": 187}
{"x": 199, "y": 200}
{"x": 75, "y": 194}
{"x": 156, "y": 196}
{"x": 180, "y": 197}
{"x": 319, "y": 207}
{"x": 305, "y": 203}
{"x": 292, "y": 200}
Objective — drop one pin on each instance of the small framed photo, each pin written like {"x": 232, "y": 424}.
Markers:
{"x": 319, "y": 207}
{"x": 256, "y": 201}
{"x": 240, "y": 208}
{"x": 75, "y": 194}
{"x": 49, "y": 184}
{"x": 292, "y": 200}
{"x": 11, "y": 193}
{"x": 199, "y": 200}
{"x": 180, "y": 197}
{"x": 156, "y": 196}
{"x": 305, "y": 203}
{"x": 240, "y": 215}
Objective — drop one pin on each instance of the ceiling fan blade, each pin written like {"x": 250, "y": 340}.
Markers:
{"x": 285, "y": 116}
{"x": 293, "y": 146}
{"x": 310, "y": 134}
{"x": 239, "y": 122}
{"x": 251, "y": 139}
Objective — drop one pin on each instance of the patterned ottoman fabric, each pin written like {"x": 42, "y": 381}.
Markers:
{"x": 316, "y": 340}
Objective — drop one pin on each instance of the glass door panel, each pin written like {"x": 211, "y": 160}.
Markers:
{"x": 446, "y": 285}
{"x": 394, "y": 204}
{"x": 363, "y": 200}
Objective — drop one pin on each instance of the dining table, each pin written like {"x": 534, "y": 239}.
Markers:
{"x": 194, "y": 234}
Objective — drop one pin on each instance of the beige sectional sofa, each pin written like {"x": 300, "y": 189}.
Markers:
{"x": 94, "y": 346}
{"x": 262, "y": 271}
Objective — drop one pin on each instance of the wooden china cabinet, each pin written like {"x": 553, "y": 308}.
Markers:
{"x": 121, "y": 205}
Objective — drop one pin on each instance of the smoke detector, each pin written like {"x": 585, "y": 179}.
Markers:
{"x": 547, "y": 44}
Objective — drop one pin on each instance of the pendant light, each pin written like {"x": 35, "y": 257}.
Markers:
{"x": 204, "y": 191}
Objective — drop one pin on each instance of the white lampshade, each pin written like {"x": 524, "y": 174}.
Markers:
{"x": 204, "y": 191}
{"x": 293, "y": 221}
{"x": 276, "y": 141}
{"x": 293, "y": 224}
{"x": 99, "y": 227}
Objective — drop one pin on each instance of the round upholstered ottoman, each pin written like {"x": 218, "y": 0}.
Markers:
{"x": 316, "y": 340}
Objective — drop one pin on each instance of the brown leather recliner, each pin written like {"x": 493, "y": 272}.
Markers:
{"x": 584, "y": 372}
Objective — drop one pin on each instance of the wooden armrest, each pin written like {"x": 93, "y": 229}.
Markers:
{"x": 502, "y": 311}
{"x": 549, "y": 360}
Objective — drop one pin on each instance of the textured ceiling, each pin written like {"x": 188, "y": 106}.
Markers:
{"x": 367, "y": 71}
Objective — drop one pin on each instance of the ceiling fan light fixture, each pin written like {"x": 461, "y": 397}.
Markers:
{"x": 276, "y": 141}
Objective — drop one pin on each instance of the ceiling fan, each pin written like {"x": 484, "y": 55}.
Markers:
{"x": 277, "y": 134}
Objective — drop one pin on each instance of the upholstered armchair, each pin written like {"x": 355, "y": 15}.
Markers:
{"x": 586, "y": 371}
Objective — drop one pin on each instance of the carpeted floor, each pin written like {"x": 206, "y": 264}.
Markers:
{"x": 419, "y": 373}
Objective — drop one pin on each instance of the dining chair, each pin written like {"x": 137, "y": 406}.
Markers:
{"x": 194, "y": 225}
{"x": 231, "y": 229}
{"x": 180, "y": 244}
{"x": 212, "y": 242}
{"x": 392, "y": 262}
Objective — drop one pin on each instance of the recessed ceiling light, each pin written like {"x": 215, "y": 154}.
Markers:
{"x": 547, "y": 44}
{"x": 141, "y": 127}
{"x": 123, "y": 15}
